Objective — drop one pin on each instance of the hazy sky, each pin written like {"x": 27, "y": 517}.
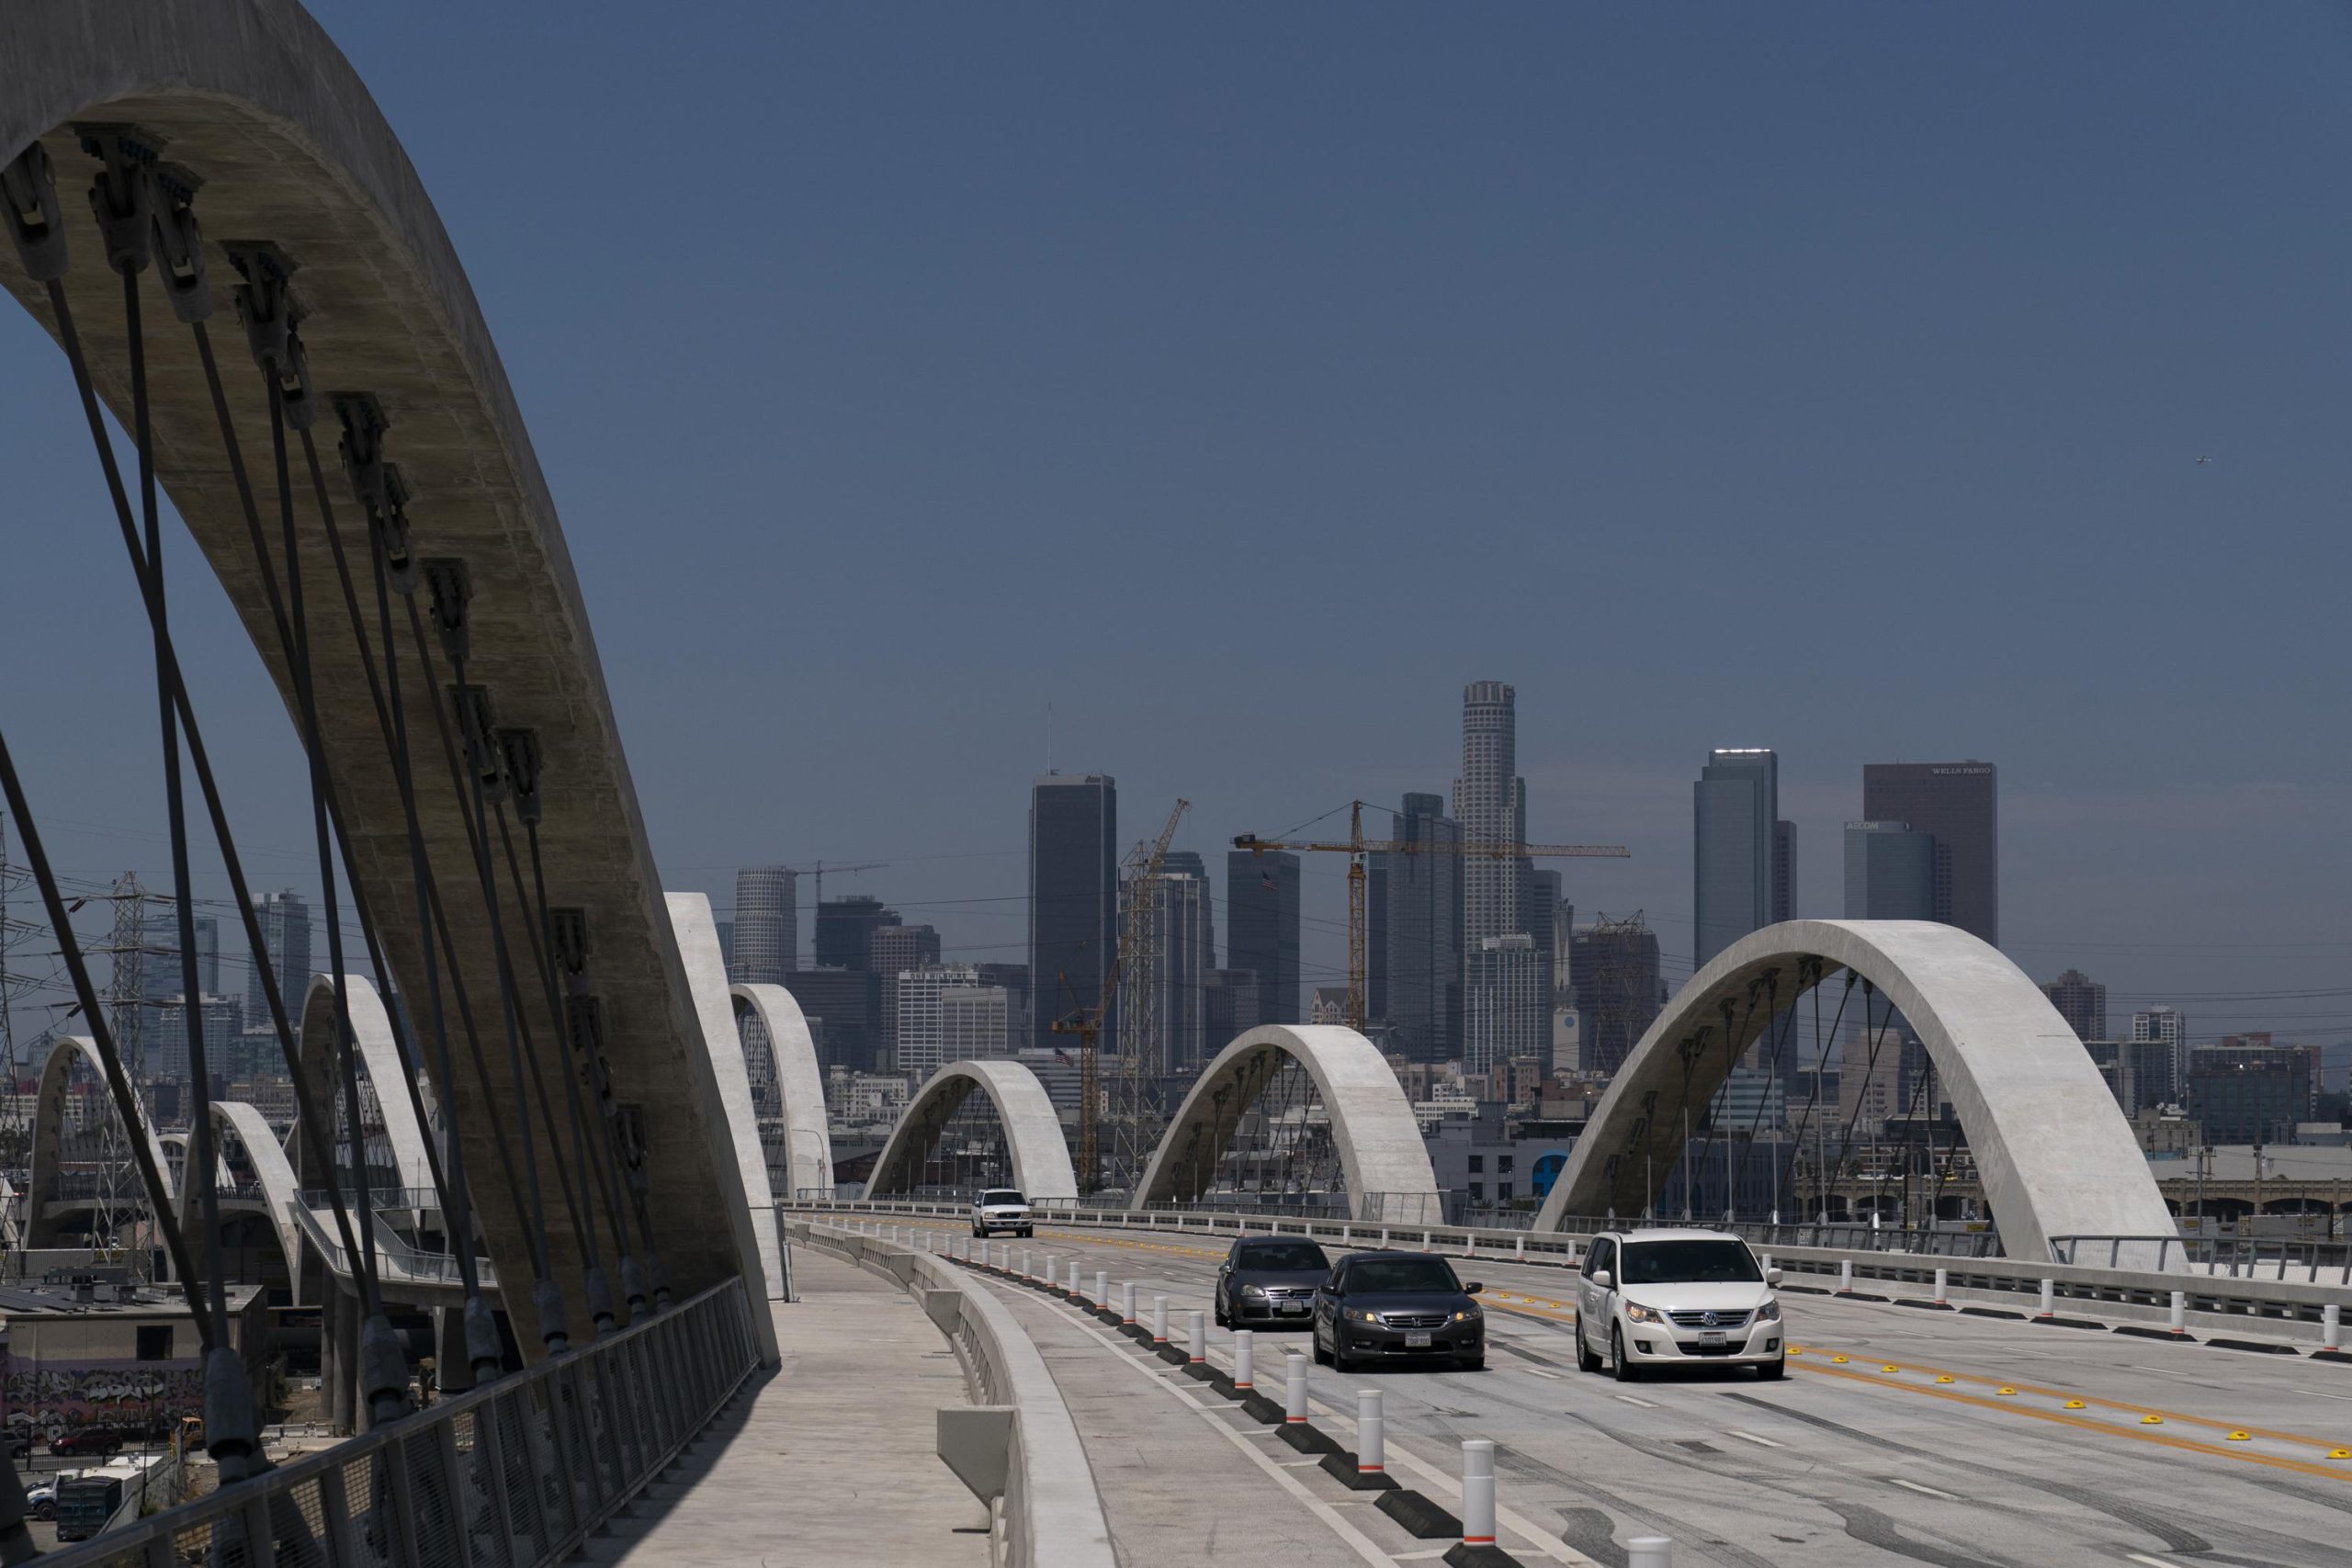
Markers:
{"x": 1241, "y": 380}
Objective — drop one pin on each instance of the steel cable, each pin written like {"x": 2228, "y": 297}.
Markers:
{"x": 1820, "y": 1065}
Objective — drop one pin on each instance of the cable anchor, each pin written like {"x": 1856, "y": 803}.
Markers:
{"x": 453, "y": 591}
{"x": 273, "y": 320}
{"x": 29, "y": 186}
{"x": 377, "y": 485}
{"x": 122, "y": 197}
{"x": 186, "y": 284}
{"x": 519, "y": 751}
{"x": 481, "y": 750}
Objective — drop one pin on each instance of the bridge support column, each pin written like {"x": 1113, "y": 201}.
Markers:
{"x": 452, "y": 1366}
{"x": 339, "y": 1358}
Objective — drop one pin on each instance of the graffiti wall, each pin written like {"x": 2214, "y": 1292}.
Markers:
{"x": 43, "y": 1399}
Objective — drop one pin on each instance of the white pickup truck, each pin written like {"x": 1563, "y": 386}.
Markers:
{"x": 1001, "y": 1209}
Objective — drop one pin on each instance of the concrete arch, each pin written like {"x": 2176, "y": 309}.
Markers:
{"x": 1033, "y": 1130}
{"x": 49, "y": 1133}
{"x": 2056, "y": 1155}
{"x": 696, "y": 931}
{"x": 799, "y": 1084}
{"x": 1373, "y": 1125}
{"x": 381, "y": 1069}
{"x": 281, "y": 1190}
{"x": 255, "y": 98}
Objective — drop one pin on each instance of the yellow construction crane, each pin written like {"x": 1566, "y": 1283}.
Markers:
{"x": 1358, "y": 846}
{"x": 1086, "y": 1022}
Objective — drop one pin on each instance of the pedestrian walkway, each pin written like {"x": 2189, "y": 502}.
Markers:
{"x": 833, "y": 1459}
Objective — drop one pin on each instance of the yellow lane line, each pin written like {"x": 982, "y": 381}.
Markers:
{"x": 2190, "y": 1445}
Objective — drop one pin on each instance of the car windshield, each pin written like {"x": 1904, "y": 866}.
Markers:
{"x": 1401, "y": 1276}
{"x": 1002, "y": 1195}
{"x": 1296, "y": 1256}
{"x": 1724, "y": 1262}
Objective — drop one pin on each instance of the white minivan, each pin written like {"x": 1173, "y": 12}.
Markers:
{"x": 1667, "y": 1298}
{"x": 1001, "y": 1209}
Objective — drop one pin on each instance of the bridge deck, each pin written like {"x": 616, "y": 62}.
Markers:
{"x": 833, "y": 1459}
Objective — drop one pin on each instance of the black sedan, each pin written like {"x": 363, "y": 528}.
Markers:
{"x": 1397, "y": 1306}
{"x": 1268, "y": 1280}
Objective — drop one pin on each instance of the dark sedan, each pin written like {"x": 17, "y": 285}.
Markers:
{"x": 1397, "y": 1306}
{"x": 1268, "y": 1280}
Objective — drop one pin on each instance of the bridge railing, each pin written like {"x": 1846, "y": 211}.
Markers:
{"x": 518, "y": 1473}
{"x": 2279, "y": 1293}
{"x": 407, "y": 1264}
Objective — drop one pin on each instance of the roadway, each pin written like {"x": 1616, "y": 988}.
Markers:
{"x": 1847, "y": 1461}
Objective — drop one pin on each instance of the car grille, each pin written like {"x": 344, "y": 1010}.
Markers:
{"x": 1414, "y": 1319}
{"x": 1708, "y": 1319}
{"x": 1289, "y": 1292}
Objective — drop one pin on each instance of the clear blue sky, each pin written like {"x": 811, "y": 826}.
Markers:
{"x": 1241, "y": 380}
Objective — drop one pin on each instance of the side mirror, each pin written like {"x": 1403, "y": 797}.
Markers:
{"x": 1473, "y": 1288}
{"x": 1600, "y": 1277}
{"x": 1772, "y": 1275}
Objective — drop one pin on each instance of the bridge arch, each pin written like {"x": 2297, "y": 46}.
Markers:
{"x": 381, "y": 1069}
{"x": 253, "y": 98}
{"x": 1033, "y": 1130}
{"x": 45, "y": 1187}
{"x": 799, "y": 1086}
{"x": 1373, "y": 1125}
{"x": 280, "y": 1190}
{"x": 2054, "y": 1153}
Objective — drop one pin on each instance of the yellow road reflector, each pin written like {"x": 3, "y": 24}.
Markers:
{"x": 2339, "y": 1453}
{"x": 1889, "y": 1367}
{"x": 1946, "y": 1377}
{"x": 2075, "y": 1405}
{"x": 2005, "y": 1389}
{"x": 1796, "y": 1349}
{"x": 2151, "y": 1420}
{"x": 1839, "y": 1360}
{"x": 2241, "y": 1437}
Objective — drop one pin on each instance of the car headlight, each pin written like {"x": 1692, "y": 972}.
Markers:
{"x": 1469, "y": 1315}
{"x": 1637, "y": 1313}
{"x": 1256, "y": 1292}
{"x": 1769, "y": 1313}
{"x": 1358, "y": 1314}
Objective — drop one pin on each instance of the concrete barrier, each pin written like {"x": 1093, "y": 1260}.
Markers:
{"x": 1047, "y": 1512}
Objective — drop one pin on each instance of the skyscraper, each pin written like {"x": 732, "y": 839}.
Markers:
{"x": 1736, "y": 816}
{"x": 1490, "y": 804}
{"x": 1890, "y": 872}
{"x": 285, "y": 920}
{"x": 1614, "y": 977}
{"x": 1183, "y": 929}
{"x": 892, "y": 950}
{"x": 1073, "y": 895}
{"x": 2169, "y": 1027}
{"x": 845, "y": 929}
{"x": 767, "y": 944}
{"x": 1414, "y": 960}
{"x": 1504, "y": 974}
{"x": 1958, "y": 804}
{"x": 2081, "y": 1002}
{"x": 1542, "y": 908}
{"x": 918, "y": 1006}
{"x": 1784, "y": 871}
{"x": 1261, "y": 928}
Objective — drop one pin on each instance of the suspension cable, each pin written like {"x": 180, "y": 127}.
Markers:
{"x": 1820, "y": 1065}
{"x": 1732, "y": 1047}
{"x": 1870, "y": 1067}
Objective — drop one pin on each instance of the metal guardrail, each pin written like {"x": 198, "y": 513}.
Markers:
{"x": 517, "y": 1474}
{"x": 400, "y": 1263}
{"x": 2294, "y": 1299}
{"x": 2233, "y": 1257}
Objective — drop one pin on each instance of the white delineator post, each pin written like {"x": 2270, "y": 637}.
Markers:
{"x": 1025, "y": 1275}
{"x": 1941, "y": 1277}
{"x": 2180, "y": 1314}
{"x": 1372, "y": 1433}
{"x": 1293, "y": 1390}
{"x": 1243, "y": 1356}
{"x": 2049, "y": 1299}
{"x": 1159, "y": 1320}
{"x": 1846, "y": 1277}
{"x": 2331, "y": 1327}
{"x": 1197, "y": 1350}
{"x": 1053, "y": 1270}
{"x": 1128, "y": 1303}
{"x": 1073, "y": 1280}
{"x": 1477, "y": 1491}
{"x": 1102, "y": 1289}
{"x": 1649, "y": 1551}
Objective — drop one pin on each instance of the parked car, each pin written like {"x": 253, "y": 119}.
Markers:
{"x": 1001, "y": 1208}
{"x": 1397, "y": 1306}
{"x": 99, "y": 1441}
{"x": 21, "y": 1448}
{"x": 1269, "y": 1279}
{"x": 1664, "y": 1298}
{"x": 42, "y": 1500}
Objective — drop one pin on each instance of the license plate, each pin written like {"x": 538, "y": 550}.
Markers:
{"x": 1714, "y": 1337}
{"x": 1417, "y": 1342}
{"x": 1290, "y": 1306}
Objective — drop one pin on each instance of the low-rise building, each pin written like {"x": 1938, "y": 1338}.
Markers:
{"x": 102, "y": 1352}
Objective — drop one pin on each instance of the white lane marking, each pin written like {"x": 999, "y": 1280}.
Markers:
{"x": 2151, "y": 1562}
{"x": 1643, "y": 1402}
{"x": 1540, "y": 1372}
{"x": 2315, "y": 1393}
{"x": 1761, "y": 1442}
{"x": 1928, "y": 1490}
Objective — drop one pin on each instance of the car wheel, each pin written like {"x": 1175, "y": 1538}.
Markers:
{"x": 45, "y": 1511}
{"x": 1779, "y": 1368}
{"x": 1224, "y": 1318}
{"x": 1473, "y": 1363}
{"x": 1586, "y": 1361}
{"x": 1623, "y": 1370}
{"x": 979, "y": 1232}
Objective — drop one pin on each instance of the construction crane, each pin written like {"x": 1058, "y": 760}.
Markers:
{"x": 1135, "y": 952}
{"x": 821, "y": 867}
{"x": 1358, "y": 846}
